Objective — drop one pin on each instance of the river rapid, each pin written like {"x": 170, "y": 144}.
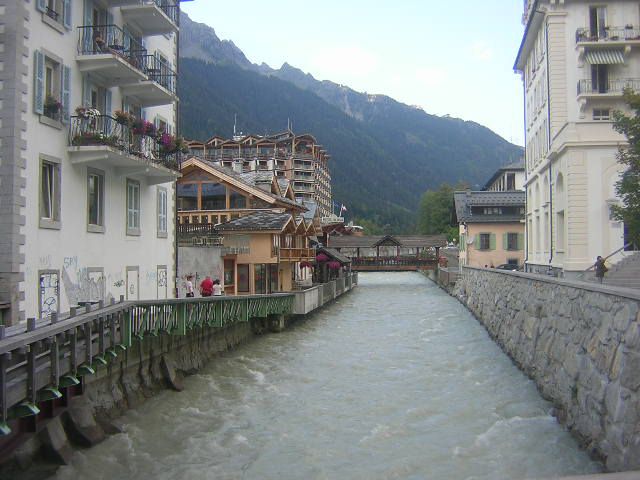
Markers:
{"x": 395, "y": 380}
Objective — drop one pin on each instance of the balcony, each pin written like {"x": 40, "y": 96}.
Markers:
{"x": 111, "y": 55}
{"x": 608, "y": 34}
{"x": 99, "y": 140}
{"x": 159, "y": 89}
{"x": 152, "y": 17}
{"x": 198, "y": 235}
{"x": 296, "y": 254}
{"x": 607, "y": 89}
{"x": 302, "y": 187}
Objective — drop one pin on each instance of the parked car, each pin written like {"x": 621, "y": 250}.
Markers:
{"x": 508, "y": 266}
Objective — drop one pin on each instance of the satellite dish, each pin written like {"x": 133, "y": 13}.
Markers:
{"x": 471, "y": 239}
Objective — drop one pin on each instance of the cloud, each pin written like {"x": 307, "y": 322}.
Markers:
{"x": 348, "y": 60}
{"x": 481, "y": 51}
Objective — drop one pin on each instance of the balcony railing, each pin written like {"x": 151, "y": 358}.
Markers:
{"x": 607, "y": 34}
{"x": 616, "y": 86}
{"x": 296, "y": 253}
{"x": 171, "y": 10}
{"x": 111, "y": 39}
{"x": 159, "y": 71}
{"x": 105, "y": 131}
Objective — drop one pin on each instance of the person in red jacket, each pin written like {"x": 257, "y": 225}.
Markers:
{"x": 206, "y": 287}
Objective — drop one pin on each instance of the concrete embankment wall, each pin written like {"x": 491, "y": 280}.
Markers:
{"x": 579, "y": 342}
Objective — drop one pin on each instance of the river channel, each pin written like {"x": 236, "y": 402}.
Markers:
{"x": 394, "y": 380}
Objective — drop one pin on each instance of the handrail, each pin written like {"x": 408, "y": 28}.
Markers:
{"x": 611, "y": 34}
{"x": 624, "y": 247}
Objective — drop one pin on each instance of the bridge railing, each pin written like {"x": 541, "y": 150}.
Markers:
{"x": 393, "y": 261}
{"x": 37, "y": 363}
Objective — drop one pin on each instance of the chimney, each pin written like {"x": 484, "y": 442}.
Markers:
{"x": 237, "y": 166}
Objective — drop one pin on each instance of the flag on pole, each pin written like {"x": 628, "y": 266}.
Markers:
{"x": 342, "y": 208}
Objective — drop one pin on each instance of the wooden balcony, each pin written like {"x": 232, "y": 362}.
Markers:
{"x": 296, "y": 254}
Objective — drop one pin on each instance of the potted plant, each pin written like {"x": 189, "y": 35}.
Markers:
{"x": 88, "y": 113}
{"x": 124, "y": 118}
{"x": 51, "y": 106}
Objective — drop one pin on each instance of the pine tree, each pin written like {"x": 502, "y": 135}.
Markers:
{"x": 628, "y": 187}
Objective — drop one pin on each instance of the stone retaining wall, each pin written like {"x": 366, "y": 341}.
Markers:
{"x": 579, "y": 342}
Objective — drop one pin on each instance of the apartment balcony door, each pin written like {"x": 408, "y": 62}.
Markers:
{"x": 600, "y": 78}
{"x": 598, "y": 21}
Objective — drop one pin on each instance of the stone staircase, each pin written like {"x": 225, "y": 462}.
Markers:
{"x": 625, "y": 273}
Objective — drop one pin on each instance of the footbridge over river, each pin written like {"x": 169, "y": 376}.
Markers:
{"x": 390, "y": 253}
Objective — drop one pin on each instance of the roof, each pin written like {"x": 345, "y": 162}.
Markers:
{"x": 465, "y": 200}
{"x": 334, "y": 254}
{"x": 408, "y": 241}
{"x": 312, "y": 208}
{"x": 257, "y": 221}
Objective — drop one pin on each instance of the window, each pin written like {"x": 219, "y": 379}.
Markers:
{"x": 214, "y": 196}
{"x": 512, "y": 241}
{"x": 597, "y": 22}
{"x": 599, "y": 78}
{"x": 49, "y": 193}
{"x": 243, "y": 278}
{"x": 133, "y": 207}
{"x": 601, "y": 114}
{"x": 56, "y": 13}
{"x": 511, "y": 181}
{"x": 162, "y": 212}
{"x": 95, "y": 201}
{"x": 485, "y": 241}
{"x": 187, "y": 196}
{"x": 51, "y": 89}
{"x": 237, "y": 201}
{"x": 260, "y": 278}
{"x": 492, "y": 211}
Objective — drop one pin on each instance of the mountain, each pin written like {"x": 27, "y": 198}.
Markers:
{"x": 385, "y": 154}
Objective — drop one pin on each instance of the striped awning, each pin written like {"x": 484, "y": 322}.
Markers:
{"x": 610, "y": 56}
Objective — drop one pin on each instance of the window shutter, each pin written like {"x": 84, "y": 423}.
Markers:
{"x": 107, "y": 102}
{"x": 66, "y": 14}
{"x": 492, "y": 241}
{"x": 477, "y": 242}
{"x": 521, "y": 241}
{"x": 86, "y": 92}
{"x": 505, "y": 241}
{"x": 38, "y": 82}
{"x": 109, "y": 18}
{"x": 41, "y": 5}
{"x": 88, "y": 12}
{"x": 65, "y": 95}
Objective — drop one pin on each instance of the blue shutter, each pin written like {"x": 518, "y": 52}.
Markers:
{"x": 88, "y": 12}
{"x": 66, "y": 14}
{"x": 86, "y": 92}
{"x": 107, "y": 101}
{"x": 66, "y": 93}
{"x": 41, "y": 5}
{"x": 38, "y": 82}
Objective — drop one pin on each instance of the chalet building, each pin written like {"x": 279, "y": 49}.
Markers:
{"x": 256, "y": 235}
{"x": 575, "y": 59}
{"x": 298, "y": 158}
{"x": 89, "y": 156}
{"x": 491, "y": 221}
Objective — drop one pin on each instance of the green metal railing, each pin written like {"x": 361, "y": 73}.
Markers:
{"x": 50, "y": 355}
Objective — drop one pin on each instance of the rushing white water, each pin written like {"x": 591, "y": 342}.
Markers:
{"x": 394, "y": 380}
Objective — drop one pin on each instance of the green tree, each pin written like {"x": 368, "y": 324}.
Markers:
{"x": 434, "y": 214}
{"x": 628, "y": 187}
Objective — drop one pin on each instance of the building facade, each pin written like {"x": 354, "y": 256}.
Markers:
{"x": 250, "y": 221}
{"x": 299, "y": 158}
{"x": 576, "y": 58}
{"x": 89, "y": 156}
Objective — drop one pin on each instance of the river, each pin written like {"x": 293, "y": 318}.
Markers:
{"x": 395, "y": 380}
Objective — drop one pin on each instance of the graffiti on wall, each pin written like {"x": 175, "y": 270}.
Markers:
{"x": 49, "y": 293}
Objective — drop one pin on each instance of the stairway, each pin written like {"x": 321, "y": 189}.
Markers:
{"x": 625, "y": 273}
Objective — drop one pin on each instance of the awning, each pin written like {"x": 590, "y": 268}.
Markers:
{"x": 610, "y": 56}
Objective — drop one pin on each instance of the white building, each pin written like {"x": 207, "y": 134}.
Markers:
{"x": 87, "y": 194}
{"x": 576, "y": 57}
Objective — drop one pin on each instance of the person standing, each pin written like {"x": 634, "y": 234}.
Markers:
{"x": 601, "y": 268}
{"x": 217, "y": 288}
{"x": 206, "y": 287}
{"x": 189, "y": 286}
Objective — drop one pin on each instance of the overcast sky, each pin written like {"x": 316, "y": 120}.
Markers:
{"x": 450, "y": 58}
